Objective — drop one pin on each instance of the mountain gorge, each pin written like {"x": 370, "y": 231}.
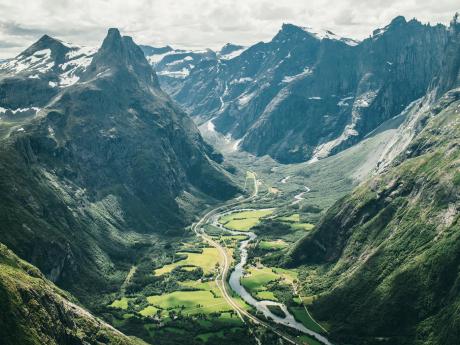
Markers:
{"x": 308, "y": 94}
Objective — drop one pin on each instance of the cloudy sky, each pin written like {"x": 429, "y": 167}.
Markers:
{"x": 200, "y": 23}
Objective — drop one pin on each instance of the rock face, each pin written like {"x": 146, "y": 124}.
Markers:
{"x": 109, "y": 154}
{"x": 309, "y": 94}
{"x": 391, "y": 249}
{"x": 35, "y": 311}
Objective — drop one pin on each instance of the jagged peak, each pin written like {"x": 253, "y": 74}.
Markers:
{"x": 46, "y": 42}
{"x": 229, "y": 48}
{"x": 121, "y": 53}
{"x": 288, "y": 29}
{"x": 398, "y": 20}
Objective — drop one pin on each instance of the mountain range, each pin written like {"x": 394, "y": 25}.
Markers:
{"x": 306, "y": 94}
{"x": 102, "y": 162}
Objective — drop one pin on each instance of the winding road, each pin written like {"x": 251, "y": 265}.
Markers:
{"x": 226, "y": 260}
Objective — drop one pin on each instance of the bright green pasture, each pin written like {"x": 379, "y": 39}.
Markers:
{"x": 244, "y": 220}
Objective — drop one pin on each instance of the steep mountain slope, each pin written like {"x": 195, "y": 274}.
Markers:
{"x": 106, "y": 159}
{"x": 389, "y": 252}
{"x": 35, "y": 311}
{"x": 308, "y": 94}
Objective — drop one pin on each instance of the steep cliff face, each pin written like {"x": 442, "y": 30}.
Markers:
{"x": 309, "y": 94}
{"x": 35, "y": 311}
{"x": 110, "y": 154}
{"x": 390, "y": 250}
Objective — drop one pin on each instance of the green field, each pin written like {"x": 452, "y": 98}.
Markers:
{"x": 302, "y": 316}
{"x": 302, "y": 226}
{"x": 120, "y": 303}
{"x": 232, "y": 241}
{"x": 272, "y": 245}
{"x": 288, "y": 275}
{"x": 149, "y": 311}
{"x": 245, "y": 220}
{"x": 191, "y": 302}
{"x": 257, "y": 279}
{"x": 294, "y": 218}
{"x": 295, "y": 223}
{"x": 207, "y": 260}
{"x": 266, "y": 295}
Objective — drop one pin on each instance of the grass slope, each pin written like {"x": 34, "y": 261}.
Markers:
{"x": 34, "y": 311}
{"x": 389, "y": 253}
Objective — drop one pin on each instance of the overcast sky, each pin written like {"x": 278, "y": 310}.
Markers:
{"x": 200, "y": 23}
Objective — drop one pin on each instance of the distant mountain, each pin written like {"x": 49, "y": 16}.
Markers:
{"x": 176, "y": 63}
{"x": 390, "y": 251}
{"x": 36, "y": 75}
{"x": 307, "y": 93}
{"x": 35, "y": 311}
{"x": 86, "y": 162}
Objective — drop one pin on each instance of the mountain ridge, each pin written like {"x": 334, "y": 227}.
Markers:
{"x": 389, "y": 250}
{"x": 304, "y": 95}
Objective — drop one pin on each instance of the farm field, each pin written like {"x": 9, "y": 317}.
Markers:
{"x": 244, "y": 220}
{"x": 257, "y": 279}
{"x": 207, "y": 260}
{"x": 273, "y": 245}
{"x": 294, "y": 221}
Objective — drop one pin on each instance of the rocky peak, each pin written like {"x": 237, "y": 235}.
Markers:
{"x": 57, "y": 49}
{"x": 119, "y": 54}
{"x": 230, "y": 48}
{"x": 289, "y": 31}
{"x": 449, "y": 76}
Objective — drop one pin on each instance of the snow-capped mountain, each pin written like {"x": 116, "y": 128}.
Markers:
{"x": 29, "y": 80}
{"x": 308, "y": 93}
{"x": 176, "y": 63}
{"x": 60, "y": 62}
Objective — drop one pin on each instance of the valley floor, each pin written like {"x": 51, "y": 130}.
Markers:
{"x": 181, "y": 290}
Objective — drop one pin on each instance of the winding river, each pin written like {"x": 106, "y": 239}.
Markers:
{"x": 261, "y": 306}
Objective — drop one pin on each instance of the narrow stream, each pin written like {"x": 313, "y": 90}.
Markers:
{"x": 261, "y": 306}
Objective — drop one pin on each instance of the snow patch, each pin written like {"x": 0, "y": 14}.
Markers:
{"x": 289, "y": 78}
{"x": 343, "y": 102}
{"x": 326, "y": 34}
{"x": 241, "y": 80}
{"x": 40, "y": 61}
{"x": 18, "y": 110}
{"x": 183, "y": 73}
{"x": 233, "y": 54}
{"x": 245, "y": 98}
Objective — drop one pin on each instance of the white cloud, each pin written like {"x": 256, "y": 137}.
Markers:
{"x": 200, "y": 23}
